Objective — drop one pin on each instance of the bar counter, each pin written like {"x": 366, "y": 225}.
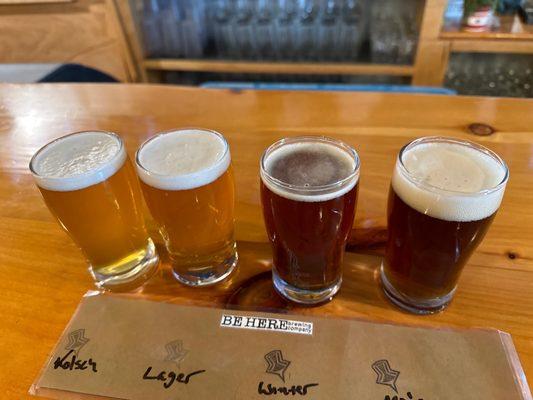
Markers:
{"x": 43, "y": 275}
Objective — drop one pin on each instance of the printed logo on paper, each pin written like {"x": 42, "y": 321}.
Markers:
{"x": 387, "y": 376}
{"x": 277, "y": 365}
{"x": 266, "y": 324}
{"x": 71, "y": 360}
{"x": 76, "y": 340}
{"x": 175, "y": 354}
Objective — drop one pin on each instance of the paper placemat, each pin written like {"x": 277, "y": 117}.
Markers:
{"x": 115, "y": 347}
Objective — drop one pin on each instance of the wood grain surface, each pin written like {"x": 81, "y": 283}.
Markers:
{"x": 43, "y": 275}
{"x": 87, "y": 32}
{"x": 262, "y": 67}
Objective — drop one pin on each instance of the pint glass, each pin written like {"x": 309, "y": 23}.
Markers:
{"x": 308, "y": 193}
{"x": 443, "y": 197}
{"x": 90, "y": 186}
{"x": 187, "y": 181}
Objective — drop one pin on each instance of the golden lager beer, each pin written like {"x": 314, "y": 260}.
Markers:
{"x": 188, "y": 186}
{"x": 89, "y": 184}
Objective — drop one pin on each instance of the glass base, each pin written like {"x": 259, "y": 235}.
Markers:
{"x": 142, "y": 270}
{"x": 304, "y": 296}
{"x": 415, "y": 306}
{"x": 207, "y": 274}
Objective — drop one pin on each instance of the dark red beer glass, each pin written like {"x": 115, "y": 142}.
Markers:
{"x": 308, "y": 193}
{"x": 443, "y": 197}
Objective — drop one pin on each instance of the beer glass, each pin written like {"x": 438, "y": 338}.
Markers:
{"x": 308, "y": 193}
{"x": 187, "y": 181}
{"x": 90, "y": 186}
{"x": 444, "y": 195}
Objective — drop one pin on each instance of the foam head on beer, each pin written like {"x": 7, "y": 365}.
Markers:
{"x": 304, "y": 168}
{"x": 450, "y": 181}
{"x": 78, "y": 161}
{"x": 184, "y": 159}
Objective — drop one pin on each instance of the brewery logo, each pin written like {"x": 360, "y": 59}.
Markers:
{"x": 385, "y": 374}
{"x": 76, "y": 340}
{"x": 175, "y": 353}
{"x": 266, "y": 324}
{"x": 388, "y": 377}
{"x": 71, "y": 360}
{"x": 277, "y": 365}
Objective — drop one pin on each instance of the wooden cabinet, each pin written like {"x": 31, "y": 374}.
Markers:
{"x": 102, "y": 34}
{"x": 436, "y": 43}
{"x": 88, "y": 32}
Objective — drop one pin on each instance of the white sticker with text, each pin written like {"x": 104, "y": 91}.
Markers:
{"x": 266, "y": 324}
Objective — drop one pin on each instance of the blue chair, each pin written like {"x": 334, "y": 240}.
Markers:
{"x": 328, "y": 86}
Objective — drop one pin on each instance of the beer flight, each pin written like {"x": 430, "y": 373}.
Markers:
{"x": 443, "y": 196}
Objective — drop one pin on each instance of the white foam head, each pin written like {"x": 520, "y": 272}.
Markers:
{"x": 450, "y": 179}
{"x": 335, "y": 172}
{"x": 183, "y": 159}
{"x": 78, "y": 160}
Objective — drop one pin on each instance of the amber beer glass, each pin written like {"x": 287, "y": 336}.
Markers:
{"x": 308, "y": 193}
{"x": 443, "y": 197}
{"x": 188, "y": 185}
{"x": 90, "y": 186}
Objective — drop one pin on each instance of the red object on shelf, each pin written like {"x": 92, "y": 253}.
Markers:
{"x": 479, "y": 20}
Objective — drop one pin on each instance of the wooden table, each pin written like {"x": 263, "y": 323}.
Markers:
{"x": 43, "y": 275}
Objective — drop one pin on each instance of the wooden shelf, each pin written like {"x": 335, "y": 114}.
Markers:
{"x": 511, "y": 28}
{"x": 277, "y": 67}
{"x": 435, "y": 45}
{"x": 30, "y": 2}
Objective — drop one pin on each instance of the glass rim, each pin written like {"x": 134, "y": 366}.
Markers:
{"x": 169, "y": 176}
{"x": 86, "y": 173}
{"x": 313, "y": 189}
{"x": 462, "y": 142}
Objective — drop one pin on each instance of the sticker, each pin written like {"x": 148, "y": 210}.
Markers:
{"x": 266, "y": 324}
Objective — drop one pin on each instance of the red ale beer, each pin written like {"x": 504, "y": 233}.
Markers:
{"x": 308, "y": 193}
{"x": 443, "y": 198}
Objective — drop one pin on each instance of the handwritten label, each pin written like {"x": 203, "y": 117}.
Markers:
{"x": 266, "y": 324}
{"x": 409, "y": 397}
{"x": 169, "y": 378}
{"x": 74, "y": 363}
{"x": 292, "y": 390}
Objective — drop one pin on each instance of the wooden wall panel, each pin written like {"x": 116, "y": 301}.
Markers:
{"x": 85, "y": 31}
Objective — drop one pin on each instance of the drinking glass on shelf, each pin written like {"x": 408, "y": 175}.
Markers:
{"x": 152, "y": 35}
{"x": 329, "y": 30}
{"x": 221, "y": 16}
{"x": 243, "y": 30}
{"x": 353, "y": 28}
{"x": 285, "y": 30}
{"x": 307, "y": 20}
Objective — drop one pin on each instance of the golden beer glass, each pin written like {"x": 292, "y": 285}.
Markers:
{"x": 90, "y": 186}
{"x": 188, "y": 185}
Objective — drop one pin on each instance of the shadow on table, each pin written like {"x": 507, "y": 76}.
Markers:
{"x": 250, "y": 286}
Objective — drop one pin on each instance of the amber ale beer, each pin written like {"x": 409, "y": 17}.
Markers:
{"x": 89, "y": 184}
{"x": 443, "y": 198}
{"x": 188, "y": 185}
{"x": 308, "y": 194}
